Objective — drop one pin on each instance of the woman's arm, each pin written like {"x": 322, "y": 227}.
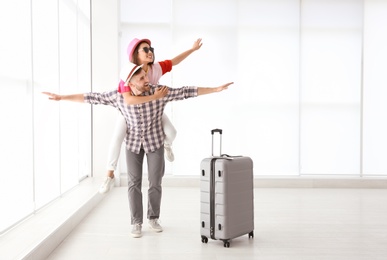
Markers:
{"x": 130, "y": 99}
{"x": 179, "y": 58}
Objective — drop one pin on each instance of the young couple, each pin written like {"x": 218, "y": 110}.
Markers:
{"x": 140, "y": 52}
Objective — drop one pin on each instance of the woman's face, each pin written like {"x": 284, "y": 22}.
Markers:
{"x": 145, "y": 53}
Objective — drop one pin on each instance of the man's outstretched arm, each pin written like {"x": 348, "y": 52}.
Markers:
{"x": 204, "y": 91}
{"x": 72, "y": 97}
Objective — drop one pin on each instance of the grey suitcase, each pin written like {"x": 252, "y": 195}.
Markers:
{"x": 226, "y": 196}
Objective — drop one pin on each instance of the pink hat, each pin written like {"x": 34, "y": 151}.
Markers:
{"x": 128, "y": 71}
{"x": 133, "y": 44}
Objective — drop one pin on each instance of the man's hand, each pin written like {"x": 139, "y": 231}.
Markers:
{"x": 53, "y": 96}
{"x": 161, "y": 92}
{"x": 223, "y": 87}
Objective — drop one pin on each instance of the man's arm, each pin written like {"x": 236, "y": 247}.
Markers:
{"x": 72, "y": 97}
{"x": 179, "y": 58}
{"x": 204, "y": 91}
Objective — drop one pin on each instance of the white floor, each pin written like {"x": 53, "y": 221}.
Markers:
{"x": 289, "y": 224}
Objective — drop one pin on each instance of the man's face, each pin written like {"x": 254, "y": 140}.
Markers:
{"x": 140, "y": 82}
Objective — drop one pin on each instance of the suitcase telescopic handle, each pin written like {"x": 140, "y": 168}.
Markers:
{"x": 217, "y": 130}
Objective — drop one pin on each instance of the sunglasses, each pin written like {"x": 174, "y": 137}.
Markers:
{"x": 147, "y": 49}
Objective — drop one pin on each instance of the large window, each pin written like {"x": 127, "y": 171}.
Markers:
{"x": 16, "y": 139}
{"x": 45, "y": 145}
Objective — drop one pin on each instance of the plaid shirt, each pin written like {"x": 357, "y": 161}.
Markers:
{"x": 144, "y": 127}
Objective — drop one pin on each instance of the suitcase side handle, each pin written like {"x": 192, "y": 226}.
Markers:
{"x": 220, "y": 131}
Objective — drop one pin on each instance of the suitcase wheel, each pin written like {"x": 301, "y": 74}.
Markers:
{"x": 204, "y": 239}
{"x": 226, "y": 243}
{"x": 251, "y": 234}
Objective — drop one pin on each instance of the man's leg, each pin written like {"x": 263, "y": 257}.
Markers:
{"x": 134, "y": 166}
{"x": 156, "y": 169}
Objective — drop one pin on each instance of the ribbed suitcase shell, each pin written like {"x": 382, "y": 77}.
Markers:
{"x": 227, "y": 198}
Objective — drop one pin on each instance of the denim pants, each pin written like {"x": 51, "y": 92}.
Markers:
{"x": 156, "y": 169}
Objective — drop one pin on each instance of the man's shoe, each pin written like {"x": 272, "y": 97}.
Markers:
{"x": 106, "y": 185}
{"x": 136, "y": 230}
{"x": 154, "y": 225}
{"x": 169, "y": 153}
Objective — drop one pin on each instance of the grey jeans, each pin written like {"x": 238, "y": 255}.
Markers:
{"x": 156, "y": 169}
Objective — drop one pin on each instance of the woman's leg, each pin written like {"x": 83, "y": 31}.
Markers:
{"x": 116, "y": 143}
{"x": 114, "y": 152}
{"x": 170, "y": 135}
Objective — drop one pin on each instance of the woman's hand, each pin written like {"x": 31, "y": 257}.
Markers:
{"x": 197, "y": 44}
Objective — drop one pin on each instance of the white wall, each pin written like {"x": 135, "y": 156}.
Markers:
{"x": 306, "y": 78}
{"x": 375, "y": 91}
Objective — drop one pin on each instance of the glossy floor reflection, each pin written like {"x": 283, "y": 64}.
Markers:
{"x": 289, "y": 224}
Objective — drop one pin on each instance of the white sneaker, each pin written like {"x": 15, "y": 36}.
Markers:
{"x": 136, "y": 230}
{"x": 106, "y": 185}
{"x": 154, "y": 224}
{"x": 169, "y": 153}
